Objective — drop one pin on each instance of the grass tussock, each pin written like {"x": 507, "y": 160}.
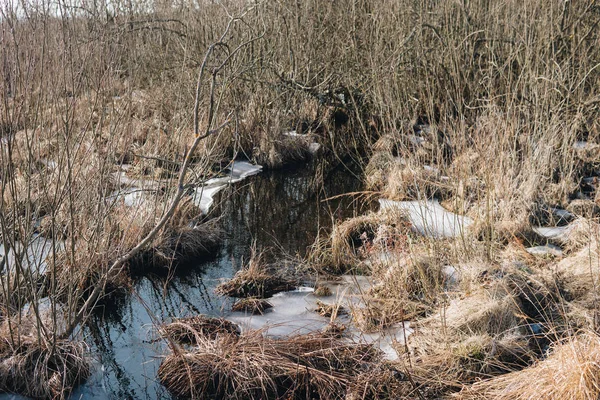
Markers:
{"x": 354, "y": 239}
{"x": 569, "y": 372}
{"x": 193, "y": 330}
{"x": 252, "y": 366}
{"x": 409, "y": 287}
{"x": 251, "y": 306}
{"x": 322, "y": 291}
{"x": 255, "y": 280}
{"x": 43, "y": 371}
{"x": 472, "y": 338}
{"x": 33, "y": 362}
{"x": 330, "y": 310}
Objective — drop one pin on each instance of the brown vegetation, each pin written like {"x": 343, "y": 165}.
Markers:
{"x": 255, "y": 280}
{"x": 461, "y": 100}
{"x": 252, "y": 366}
{"x": 193, "y": 330}
{"x": 252, "y": 306}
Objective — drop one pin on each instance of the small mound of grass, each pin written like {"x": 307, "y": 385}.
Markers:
{"x": 252, "y": 366}
{"x": 254, "y": 281}
{"x": 186, "y": 244}
{"x": 193, "y": 330}
{"x": 571, "y": 371}
{"x": 329, "y": 310}
{"x": 41, "y": 371}
{"x": 322, "y": 291}
{"x": 357, "y": 237}
{"x": 252, "y": 306}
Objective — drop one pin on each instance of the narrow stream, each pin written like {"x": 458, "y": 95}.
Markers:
{"x": 281, "y": 210}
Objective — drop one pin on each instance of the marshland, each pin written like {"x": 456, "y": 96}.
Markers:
{"x": 358, "y": 199}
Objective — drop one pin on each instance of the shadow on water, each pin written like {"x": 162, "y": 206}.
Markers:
{"x": 282, "y": 210}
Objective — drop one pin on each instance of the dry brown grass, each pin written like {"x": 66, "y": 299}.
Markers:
{"x": 354, "y": 239}
{"x": 497, "y": 103}
{"x": 255, "y": 280}
{"x": 252, "y": 306}
{"x": 252, "y": 366}
{"x": 43, "y": 371}
{"x": 472, "y": 338}
{"x": 35, "y": 364}
{"x": 571, "y": 371}
{"x": 193, "y": 330}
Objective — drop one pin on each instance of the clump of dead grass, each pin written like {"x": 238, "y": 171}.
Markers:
{"x": 330, "y": 310}
{"x": 253, "y": 366}
{"x": 322, "y": 291}
{"x": 356, "y": 238}
{"x": 35, "y": 364}
{"x": 186, "y": 244}
{"x": 254, "y": 280}
{"x": 504, "y": 324}
{"x": 43, "y": 371}
{"x": 193, "y": 330}
{"x": 282, "y": 151}
{"x": 474, "y": 337}
{"x": 571, "y": 371}
{"x": 409, "y": 286}
{"x": 252, "y": 306}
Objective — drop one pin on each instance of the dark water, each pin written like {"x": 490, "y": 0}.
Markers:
{"x": 280, "y": 210}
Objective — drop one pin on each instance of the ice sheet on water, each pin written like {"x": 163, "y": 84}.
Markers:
{"x": 203, "y": 196}
{"x": 429, "y": 218}
{"x": 243, "y": 169}
{"x": 293, "y": 313}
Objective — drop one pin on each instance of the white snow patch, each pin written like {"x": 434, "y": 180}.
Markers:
{"x": 49, "y": 163}
{"x": 451, "y": 274}
{"x": 548, "y": 249}
{"x": 429, "y": 218}
{"x": 33, "y": 257}
{"x": 582, "y": 145}
{"x": 551, "y": 232}
{"x": 314, "y": 148}
{"x": 416, "y": 140}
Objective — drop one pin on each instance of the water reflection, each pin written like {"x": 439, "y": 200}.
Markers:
{"x": 279, "y": 209}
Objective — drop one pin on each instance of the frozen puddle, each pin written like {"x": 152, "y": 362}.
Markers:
{"x": 294, "y": 313}
{"x": 204, "y": 196}
{"x": 429, "y": 218}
